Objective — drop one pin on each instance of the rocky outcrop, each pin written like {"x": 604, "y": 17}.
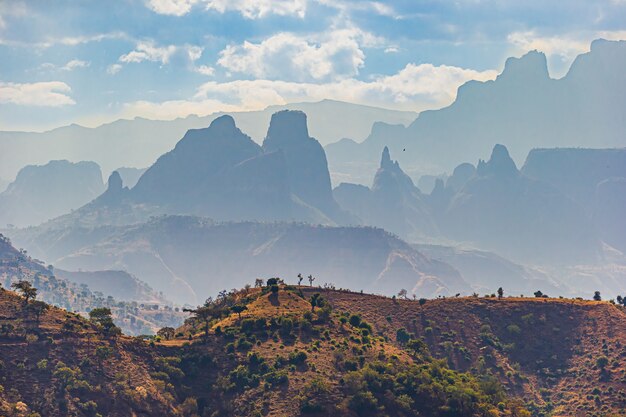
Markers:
{"x": 393, "y": 202}
{"x": 307, "y": 168}
{"x": 502, "y": 210}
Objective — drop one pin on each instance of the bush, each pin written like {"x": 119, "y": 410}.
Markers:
{"x": 297, "y": 358}
{"x": 355, "y": 320}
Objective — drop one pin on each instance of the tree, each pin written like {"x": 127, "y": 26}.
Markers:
{"x": 500, "y": 292}
{"x": 37, "y": 308}
{"x": 417, "y": 346}
{"x": 311, "y": 279}
{"x": 166, "y": 332}
{"x": 258, "y": 283}
{"x": 103, "y": 318}
{"x": 239, "y": 308}
{"x": 403, "y": 293}
{"x": 538, "y": 294}
{"x": 602, "y": 362}
{"x": 27, "y": 290}
{"x": 316, "y": 301}
{"x": 103, "y": 353}
{"x": 273, "y": 281}
{"x": 596, "y": 296}
{"x": 621, "y": 300}
{"x": 204, "y": 314}
{"x": 300, "y": 278}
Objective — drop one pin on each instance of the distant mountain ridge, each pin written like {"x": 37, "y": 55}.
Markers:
{"x": 187, "y": 256}
{"x": 40, "y": 193}
{"x": 139, "y": 142}
{"x": 523, "y": 108}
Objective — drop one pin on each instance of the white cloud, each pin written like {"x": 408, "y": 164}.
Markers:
{"x": 564, "y": 46}
{"x": 171, "y": 7}
{"x": 113, "y": 69}
{"x": 149, "y": 51}
{"x": 205, "y": 70}
{"x": 415, "y": 87}
{"x": 335, "y": 54}
{"x": 250, "y": 9}
{"x": 255, "y": 9}
{"x": 74, "y": 64}
{"x": 66, "y": 40}
{"x": 49, "y": 94}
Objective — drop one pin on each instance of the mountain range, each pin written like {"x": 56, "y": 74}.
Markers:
{"x": 139, "y": 142}
{"x": 523, "y": 108}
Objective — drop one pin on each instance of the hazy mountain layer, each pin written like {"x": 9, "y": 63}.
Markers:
{"x": 393, "y": 202}
{"x": 523, "y": 108}
{"x": 40, "y": 193}
{"x": 188, "y": 257}
{"x": 139, "y": 142}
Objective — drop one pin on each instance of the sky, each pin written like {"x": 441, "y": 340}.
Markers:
{"x": 91, "y": 62}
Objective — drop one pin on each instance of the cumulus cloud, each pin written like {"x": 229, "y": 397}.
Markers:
{"x": 250, "y": 9}
{"x": 415, "y": 87}
{"x": 286, "y": 56}
{"x": 149, "y": 51}
{"x": 48, "y": 94}
{"x": 205, "y": 70}
{"x": 254, "y": 9}
{"x": 565, "y": 46}
{"x": 171, "y": 7}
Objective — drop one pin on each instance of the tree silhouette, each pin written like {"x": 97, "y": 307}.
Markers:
{"x": 258, "y": 283}
{"x": 166, "y": 332}
{"x": 204, "y": 314}
{"x": 597, "y": 296}
{"x": 311, "y": 279}
{"x": 403, "y": 293}
{"x": 300, "y": 278}
{"x": 500, "y": 292}
{"x": 239, "y": 308}
{"x": 37, "y": 308}
{"x": 27, "y": 290}
{"x": 316, "y": 301}
{"x": 103, "y": 318}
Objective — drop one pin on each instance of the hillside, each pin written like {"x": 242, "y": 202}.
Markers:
{"x": 186, "y": 257}
{"x": 351, "y": 354}
{"x": 81, "y": 292}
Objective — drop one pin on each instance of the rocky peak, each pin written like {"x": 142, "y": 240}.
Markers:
{"x": 500, "y": 164}
{"x": 115, "y": 182}
{"x": 385, "y": 160}
{"x": 285, "y": 126}
{"x": 223, "y": 124}
{"x": 530, "y": 67}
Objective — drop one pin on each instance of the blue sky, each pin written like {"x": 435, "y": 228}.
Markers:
{"x": 89, "y": 62}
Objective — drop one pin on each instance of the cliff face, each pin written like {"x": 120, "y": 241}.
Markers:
{"x": 307, "y": 168}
